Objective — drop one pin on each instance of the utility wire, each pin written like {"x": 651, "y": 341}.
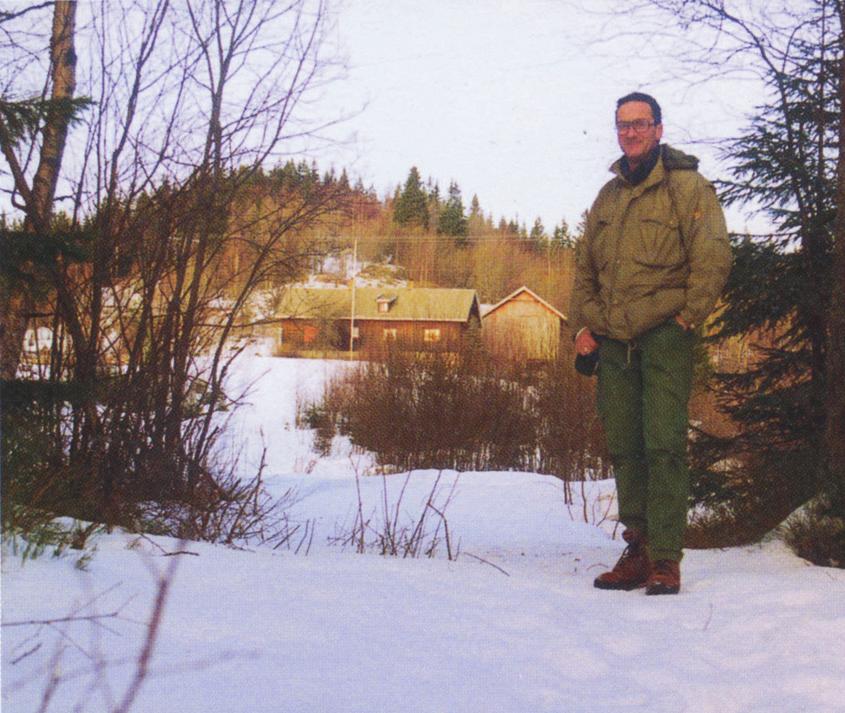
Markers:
{"x": 442, "y": 239}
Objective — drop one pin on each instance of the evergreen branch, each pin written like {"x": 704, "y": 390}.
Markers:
{"x": 7, "y": 143}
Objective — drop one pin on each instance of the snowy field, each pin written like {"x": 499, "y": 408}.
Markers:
{"x": 512, "y": 624}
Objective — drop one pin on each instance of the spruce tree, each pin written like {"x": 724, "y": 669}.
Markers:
{"x": 435, "y": 204}
{"x": 537, "y": 238}
{"x": 561, "y": 237}
{"x": 581, "y": 228}
{"x": 475, "y": 207}
{"x": 411, "y": 207}
{"x": 835, "y": 371}
{"x": 452, "y": 219}
{"x": 343, "y": 181}
{"x": 477, "y": 223}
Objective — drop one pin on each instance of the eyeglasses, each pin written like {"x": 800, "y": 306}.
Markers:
{"x": 638, "y": 125}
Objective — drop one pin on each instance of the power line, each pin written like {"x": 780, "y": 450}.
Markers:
{"x": 443, "y": 239}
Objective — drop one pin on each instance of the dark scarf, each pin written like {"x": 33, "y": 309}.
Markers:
{"x": 640, "y": 173}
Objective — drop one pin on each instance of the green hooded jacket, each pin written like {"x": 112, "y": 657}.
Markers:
{"x": 651, "y": 251}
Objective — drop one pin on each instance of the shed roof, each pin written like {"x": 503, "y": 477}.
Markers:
{"x": 406, "y": 303}
{"x": 524, "y": 289}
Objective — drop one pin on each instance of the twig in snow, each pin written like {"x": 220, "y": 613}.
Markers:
{"x": 142, "y": 536}
{"x": 54, "y": 680}
{"x": 709, "y": 618}
{"x": 164, "y": 552}
{"x": 313, "y": 526}
{"x": 153, "y": 625}
{"x": 481, "y": 559}
{"x": 25, "y": 654}
{"x": 446, "y": 530}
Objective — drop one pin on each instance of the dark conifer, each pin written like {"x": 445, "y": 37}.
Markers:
{"x": 561, "y": 237}
{"x": 779, "y": 294}
{"x": 411, "y": 207}
{"x": 452, "y": 219}
{"x": 537, "y": 238}
{"x": 474, "y": 207}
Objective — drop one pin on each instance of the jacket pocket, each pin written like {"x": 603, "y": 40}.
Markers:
{"x": 660, "y": 243}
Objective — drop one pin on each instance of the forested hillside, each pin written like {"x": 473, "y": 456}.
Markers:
{"x": 433, "y": 236}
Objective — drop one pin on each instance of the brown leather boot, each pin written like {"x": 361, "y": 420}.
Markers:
{"x": 665, "y": 578}
{"x": 633, "y": 568}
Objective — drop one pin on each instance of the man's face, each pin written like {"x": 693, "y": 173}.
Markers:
{"x": 634, "y": 144}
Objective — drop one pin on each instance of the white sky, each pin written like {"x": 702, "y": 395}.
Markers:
{"x": 512, "y": 99}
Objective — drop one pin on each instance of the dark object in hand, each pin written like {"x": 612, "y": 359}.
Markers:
{"x": 587, "y": 364}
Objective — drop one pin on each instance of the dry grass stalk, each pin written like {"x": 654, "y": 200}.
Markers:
{"x": 388, "y": 535}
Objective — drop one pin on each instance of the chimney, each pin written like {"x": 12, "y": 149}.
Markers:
{"x": 385, "y": 302}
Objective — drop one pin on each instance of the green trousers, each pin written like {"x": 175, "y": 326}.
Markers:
{"x": 643, "y": 391}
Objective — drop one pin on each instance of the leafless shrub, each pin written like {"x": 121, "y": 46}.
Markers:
{"x": 389, "y": 534}
{"x": 593, "y": 509}
{"x": 466, "y": 411}
{"x": 570, "y": 439}
{"x": 228, "y": 510}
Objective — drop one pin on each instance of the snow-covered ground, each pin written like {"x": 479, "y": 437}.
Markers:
{"x": 512, "y": 625}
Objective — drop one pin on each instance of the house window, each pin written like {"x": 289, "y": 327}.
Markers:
{"x": 281, "y": 335}
{"x": 356, "y": 333}
{"x": 383, "y": 306}
{"x": 390, "y": 334}
{"x": 431, "y": 335}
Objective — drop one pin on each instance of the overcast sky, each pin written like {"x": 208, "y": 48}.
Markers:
{"x": 513, "y": 99}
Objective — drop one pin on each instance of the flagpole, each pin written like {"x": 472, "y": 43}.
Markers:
{"x": 352, "y": 311}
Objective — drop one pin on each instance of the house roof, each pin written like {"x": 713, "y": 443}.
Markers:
{"x": 406, "y": 303}
{"x": 513, "y": 295}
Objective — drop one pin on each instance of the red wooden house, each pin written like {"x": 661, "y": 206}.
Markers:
{"x": 374, "y": 318}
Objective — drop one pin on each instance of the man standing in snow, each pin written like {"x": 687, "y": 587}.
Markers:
{"x": 653, "y": 260}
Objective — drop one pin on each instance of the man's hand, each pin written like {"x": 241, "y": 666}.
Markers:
{"x": 585, "y": 343}
{"x": 686, "y": 326}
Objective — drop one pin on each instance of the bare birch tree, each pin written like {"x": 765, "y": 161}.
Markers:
{"x": 33, "y": 191}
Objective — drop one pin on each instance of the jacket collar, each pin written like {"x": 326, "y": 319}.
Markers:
{"x": 657, "y": 174}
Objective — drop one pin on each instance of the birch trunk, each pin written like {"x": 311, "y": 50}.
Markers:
{"x": 16, "y": 302}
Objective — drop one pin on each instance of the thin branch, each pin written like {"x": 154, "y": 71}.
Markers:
{"x": 484, "y": 561}
{"x": 153, "y": 625}
{"x": 7, "y": 16}
{"x": 60, "y": 620}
